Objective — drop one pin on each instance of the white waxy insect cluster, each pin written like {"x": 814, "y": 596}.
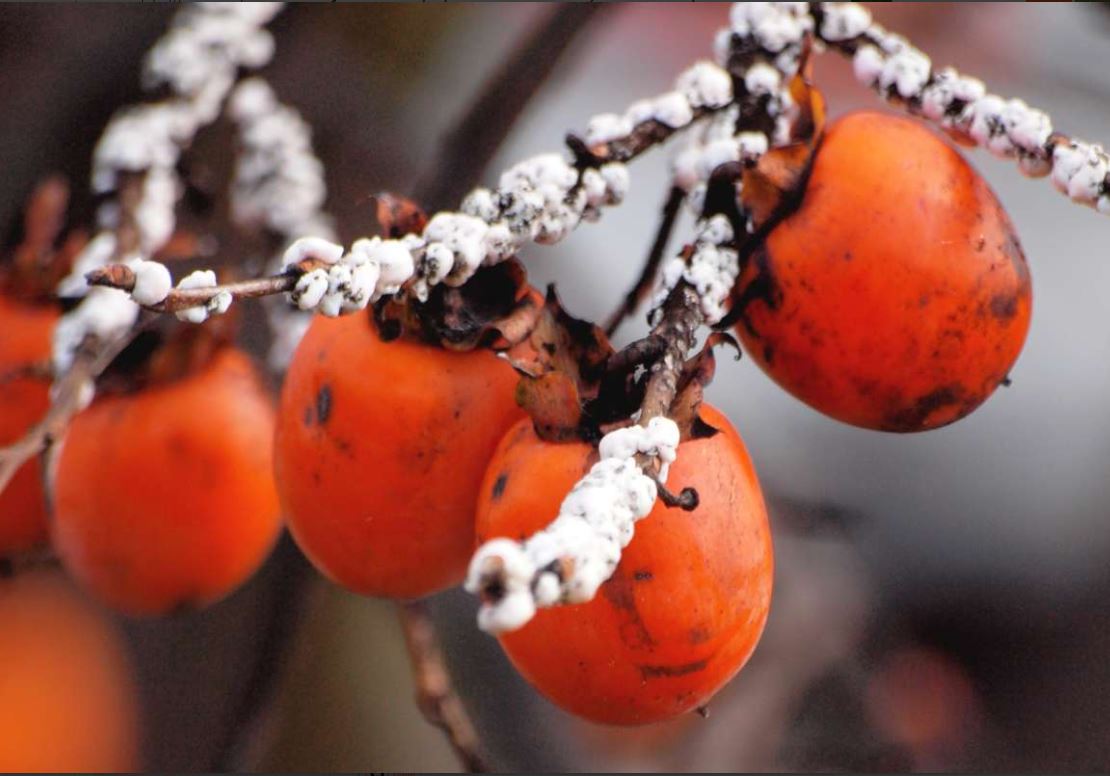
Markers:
{"x": 777, "y": 31}
{"x": 278, "y": 181}
{"x": 541, "y": 199}
{"x": 279, "y": 185}
{"x": 712, "y": 269}
{"x": 594, "y": 524}
{"x": 1009, "y": 129}
{"x": 197, "y": 60}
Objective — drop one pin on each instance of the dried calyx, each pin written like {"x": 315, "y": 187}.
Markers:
{"x": 41, "y": 251}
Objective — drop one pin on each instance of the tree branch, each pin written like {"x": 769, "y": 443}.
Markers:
{"x": 642, "y": 287}
{"x": 468, "y": 147}
{"x": 434, "y": 696}
{"x": 71, "y": 394}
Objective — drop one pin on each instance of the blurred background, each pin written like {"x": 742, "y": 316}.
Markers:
{"x": 941, "y": 599}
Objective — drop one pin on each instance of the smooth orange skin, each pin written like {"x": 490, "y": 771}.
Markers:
{"x": 68, "y": 698}
{"x": 687, "y": 604}
{"x": 897, "y": 296}
{"x": 380, "y": 450}
{"x": 25, "y": 338}
{"x": 164, "y": 499}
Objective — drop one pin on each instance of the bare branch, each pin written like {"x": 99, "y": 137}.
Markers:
{"x": 468, "y": 147}
{"x": 643, "y": 285}
{"x": 71, "y": 394}
{"x": 434, "y": 695}
{"x": 123, "y": 277}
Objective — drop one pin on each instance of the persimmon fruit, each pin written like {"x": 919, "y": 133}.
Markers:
{"x": 68, "y": 697}
{"x": 24, "y": 399}
{"x": 685, "y": 607}
{"x": 380, "y": 450}
{"x": 896, "y": 296}
{"x": 164, "y": 498}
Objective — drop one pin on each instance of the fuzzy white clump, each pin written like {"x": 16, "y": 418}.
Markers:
{"x": 596, "y": 521}
{"x": 906, "y": 72}
{"x": 712, "y": 269}
{"x": 606, "y": 127}
{"x": 1082, "y": 171}
{"x": 197, "y": 59}
{"x": 278, "y": 181}
{"x": 705, "y": 85}
{"x": 867, "y": 64}
{"x": 317, "y": 248}
{"x": 201, "y": 278}
{"x": 778, "y": 28}
{"x": 761, "y": 78}
{"x": 279, "y": 185}
{"x": 844, "y": 21}
{"x": 152, "y": 281}
{"x": 464, "y": 236}
{"x": 1006, "y": 128}
{"x": 105, "y": 313}
{"x": 672, "y": 109}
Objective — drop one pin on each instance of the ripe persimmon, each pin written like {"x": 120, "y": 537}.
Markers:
{"x": 164, "y": 497}
{"x": 380, "y": 450}
{"x": 896, "y": 296}
{"x": 25, "y": 342}
{"x": 68, "y": 699}
{"x": 685, "y": 607}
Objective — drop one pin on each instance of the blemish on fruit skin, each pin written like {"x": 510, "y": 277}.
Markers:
{"x": 656, "y": 672}
{"x": 914, "y": 417}
{"x": 698, "y": 635}
{"x": 643, "y": 575}
{"x": 619, "y": 592}
{"x": 1004, "y": 306}
{"x": 323, "y": 403}
{"x": 499, "y": 486}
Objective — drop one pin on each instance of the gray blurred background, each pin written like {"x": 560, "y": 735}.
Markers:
{"x": 941, "y": 599}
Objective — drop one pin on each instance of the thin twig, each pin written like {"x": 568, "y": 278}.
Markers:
{"x": 469, "y": 146}
{"x": 288, "y": 595}
{"x": 434, "y": 695}
{"x": 70, "y": 395}
{"x": 122, "y": 277}
{"x": 642, "y": 288}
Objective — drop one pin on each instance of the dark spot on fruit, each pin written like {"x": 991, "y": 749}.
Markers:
{"x": 1011, "y": 249}
{"x": 699, "y": 635}
{"x": 913, "y": 418}
{"x": 499, "y": 485}
{"x": 323, "y": 403}
{"x": 619, "y": 592}
{"x": 768, "y": 353}
{"x": 848, "y": 256}
{"x": 1004, "y": 306}
{"x": 980, "y": 244}
{"x": 655, "y": 672}
{"x": 643, "y": 575}
{"x": 457, "y": 414}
